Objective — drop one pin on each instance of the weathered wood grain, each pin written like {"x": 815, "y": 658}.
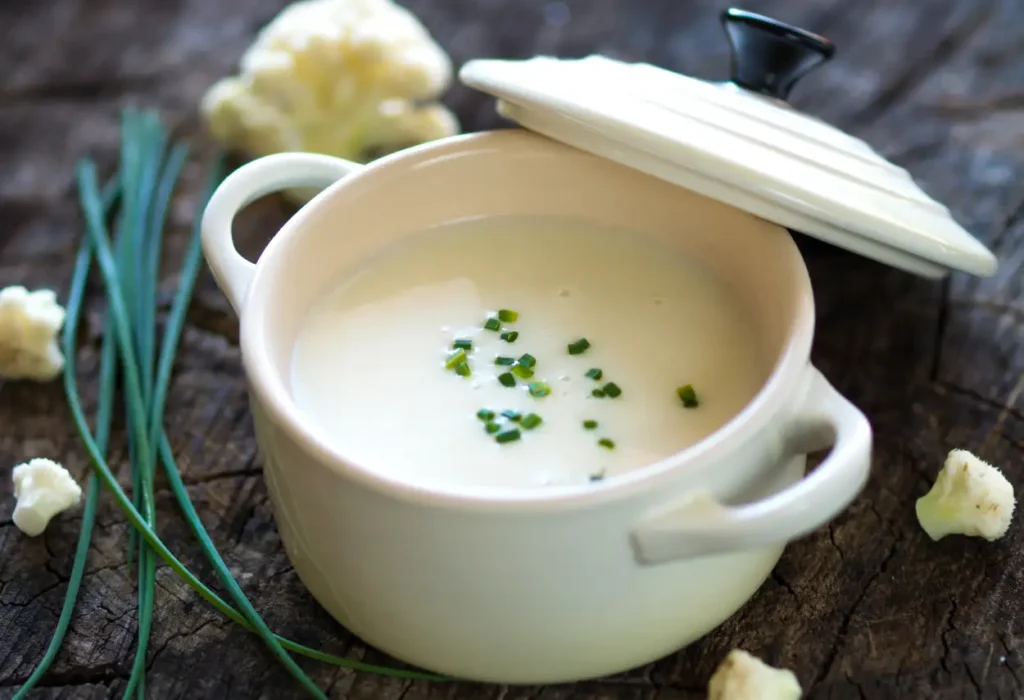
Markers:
{"x": 866, "y": 608}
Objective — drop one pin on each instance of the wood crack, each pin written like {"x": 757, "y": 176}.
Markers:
{"x": 860, "y": 691}
{"x": 103, "y": 674}
{"x": 844, "y": 626}
{"x": 906, "y": 83}
{"x": 980, "y": 398}
{"x": 832, "y": 539}
{"x": 975, "y": 109}
{"x": 618, "y": 682}
{"x": 944, "y": 635}
{"x": 941, "y": 320}
{"x": 785, "y": 584}
{"x": 156, "y": 653}
{"x": 199, "y": 479}
{"x": 35, "y": 597}
{"x": 1010, "y": 221}
{"x": 1006, "y": 664}
{"x": 77, "y": 91}
{"x": 405, "y": 691}
{"x": 996, "y": 307}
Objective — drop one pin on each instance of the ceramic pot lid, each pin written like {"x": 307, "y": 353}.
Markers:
{"x": 739, "y": 142}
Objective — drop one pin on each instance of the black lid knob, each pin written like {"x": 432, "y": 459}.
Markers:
{"x": 768, "y": 56}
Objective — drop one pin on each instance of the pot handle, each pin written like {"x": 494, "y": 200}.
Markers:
{"x": 703, "y": 526}
{"x": 273, "y": 173}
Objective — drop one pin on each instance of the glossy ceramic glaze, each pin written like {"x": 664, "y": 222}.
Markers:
{"x": 560, "y": 583}
{"x": 739, "y": 142}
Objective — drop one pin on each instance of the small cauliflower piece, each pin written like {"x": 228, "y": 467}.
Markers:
{"x": 742, "y": 676}
{"x": 43, "y": 489}
{"x": 970, "y": 497}
{"x": 349, "y": 78}
{"x": 29, "y": 323}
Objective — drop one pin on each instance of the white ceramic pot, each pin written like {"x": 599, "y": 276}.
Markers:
{"x": 555, "y": 584}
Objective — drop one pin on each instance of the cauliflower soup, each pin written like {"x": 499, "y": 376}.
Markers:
{"x": 518, "y": 352}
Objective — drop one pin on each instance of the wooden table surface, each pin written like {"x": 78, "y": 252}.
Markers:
{"x": 867, "y": 608}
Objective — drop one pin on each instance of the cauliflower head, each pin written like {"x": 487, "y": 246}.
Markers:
{"x": 350, "y": 78}
{"x": 742, "y": 676}
{"x": 43, "y": 489}
{"x": 29, "y": 324}
{"x": 970, "y": 497}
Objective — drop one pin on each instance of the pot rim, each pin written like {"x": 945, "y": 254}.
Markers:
{"x": 267, "y": 386}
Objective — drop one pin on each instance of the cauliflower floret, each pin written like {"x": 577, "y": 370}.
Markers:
{"x": 43, "y": 489}
{"x": 970, "y": 497}
{"x": 745, "y": 677}
{"x": 29, "y": 323}
{"x": 348, "y": 78}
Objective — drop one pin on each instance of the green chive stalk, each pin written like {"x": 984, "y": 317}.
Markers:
{"x": 142, "y": 145}
{"x": 130, "y": 337}
{"x": 96, "y": 229}
{"x": 145, "y": 395}
{"x": 130, "y": 165}
{"x": 97, "y": 233}
{"x": 140, "y": 243}
{"x": 104, "y": 415}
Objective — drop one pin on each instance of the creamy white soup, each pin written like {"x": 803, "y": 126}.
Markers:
{"x": 617, "y": 353}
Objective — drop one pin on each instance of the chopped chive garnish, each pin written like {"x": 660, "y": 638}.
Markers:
{"x": 508, "y": 316}
{"x": 595, "y": 373}
{"x": 492, "y": 428}
{"x": 579, "y": 347}
{"x": 522, "y": 372}
{"x": 612, "y": 389}
{"x": 688, "y": 396}
{"x": 462, "y": 370}
{"x": 506, "y": 379}
{"x": 513, "y": 416}
{"x": 539, "y": 389}
{"x": 589, "y": 424}
{"x": 499, "y": 360}
{"x": 508, "y": 436}
{"x": 599, "y": 476}
{"x": 597, "y": 393}
{"x": 455, "y": 359}
{"x": 528, "y": 361}
{"x": 531, "y": 421}
{"x": 492, "y": 324}
{"x": 485, "y": 415}
{"x": 606, "y": 443}
{"x": 463, "y": 344}
{"x": 510, "y": 336}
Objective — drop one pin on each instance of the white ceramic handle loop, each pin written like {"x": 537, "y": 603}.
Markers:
{"x": 704, "y": 527}
{"x": 253, "y": 180}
